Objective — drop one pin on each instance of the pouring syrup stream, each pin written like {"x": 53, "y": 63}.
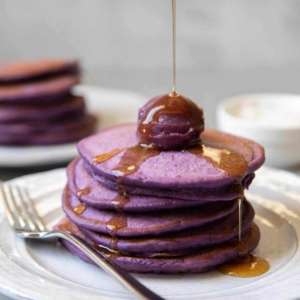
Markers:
{"x": 174, "y": 45}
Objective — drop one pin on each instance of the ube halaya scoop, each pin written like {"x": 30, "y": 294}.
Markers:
{"x": 169, "y": 122}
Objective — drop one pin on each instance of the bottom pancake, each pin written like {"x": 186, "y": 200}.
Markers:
{"x": 198, "y": 261}
{"x": 58, "y": 132}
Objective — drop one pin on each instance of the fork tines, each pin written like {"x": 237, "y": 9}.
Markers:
{"x": 19, "y": 208}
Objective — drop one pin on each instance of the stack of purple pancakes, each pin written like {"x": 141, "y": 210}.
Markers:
{"x": 152, "y": 211}
{"x": 37, "y": 106}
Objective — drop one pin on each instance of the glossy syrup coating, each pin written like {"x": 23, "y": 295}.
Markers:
{"x": 169, "y": 122}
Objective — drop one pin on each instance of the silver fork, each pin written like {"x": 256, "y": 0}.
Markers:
{"x": 26, "y": 223}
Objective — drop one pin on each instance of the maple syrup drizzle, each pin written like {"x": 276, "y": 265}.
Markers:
{"x": 132, "y": 160}
{"x": 235, "y": 166}
{"x": 79, "y": 209}
{"x": 113, "y": 226}
{"x": 248, "y": 266}
{"x": 106, "y": 156}
{"x": 119, "y": 202}
{"x": 118, "y": 222}
{"x": 229, "y": 162}
{"x": 83, "y": 192}
{"x": 240, "y": 208}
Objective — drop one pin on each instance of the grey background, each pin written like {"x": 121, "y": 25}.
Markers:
{"x": 136, "y": 33}
{"x": 225, "y": 47}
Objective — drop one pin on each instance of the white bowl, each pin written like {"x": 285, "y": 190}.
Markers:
{"x": 273, "y": 120}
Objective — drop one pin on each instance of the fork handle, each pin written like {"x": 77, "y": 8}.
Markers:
{"x": 133, "y": 285}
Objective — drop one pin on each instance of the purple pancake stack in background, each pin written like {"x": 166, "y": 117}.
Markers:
{"x": 36, "y": 104}
{"x": 156, "y": 211}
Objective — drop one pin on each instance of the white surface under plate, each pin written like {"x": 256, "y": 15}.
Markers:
{"x": 111, "y": 106}
{"x": 47, "y": 271}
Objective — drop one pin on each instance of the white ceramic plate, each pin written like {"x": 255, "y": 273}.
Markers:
{"x": 47, "y": 271}
{"x": 111, "y": 106}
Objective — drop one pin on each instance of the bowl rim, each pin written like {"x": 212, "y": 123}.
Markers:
{"x": 227, "y": 102}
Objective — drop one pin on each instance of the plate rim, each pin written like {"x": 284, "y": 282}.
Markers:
{"x": 276, "y": 172}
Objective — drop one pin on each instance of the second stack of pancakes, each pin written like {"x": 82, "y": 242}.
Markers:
{"x": 173, "y": 211}
{"x": 37, "y": 106}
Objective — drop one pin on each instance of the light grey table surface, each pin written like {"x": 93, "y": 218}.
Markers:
{"x": 206, "y": 87}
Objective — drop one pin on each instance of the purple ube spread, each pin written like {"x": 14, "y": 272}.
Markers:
{"x": 169, "y": 122}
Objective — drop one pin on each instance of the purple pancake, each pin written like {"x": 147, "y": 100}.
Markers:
{"x": 48, "y": 90}
{"x": 179, "y": 172}
{"x": 214, "y": 233}
{"x": 46, "y": 133}
{"x": 32, "y": 70}
{"x": 102, "y": 197}
{"x": 200, "y": 195}
{"x": 199, "y": 261}
{"x": 68, "y": 106}
{"x": 142, "y": 224}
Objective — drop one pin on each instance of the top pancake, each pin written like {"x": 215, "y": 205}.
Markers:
{"x": 28, "y": 70}
{"x": 199, "y": 261}
{"x": 169, "y": 169}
